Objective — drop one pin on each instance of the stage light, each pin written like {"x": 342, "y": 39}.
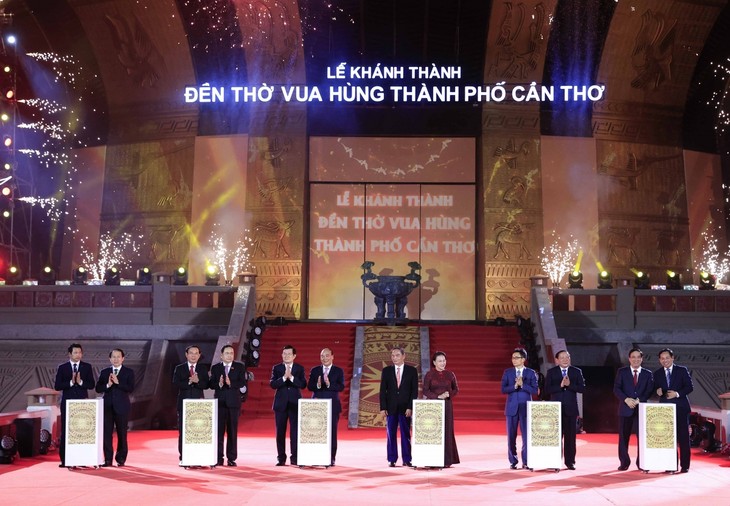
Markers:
{"x": 180, "y": 276}
{"x": 144, "y": 276}
{"x": 641, "y": 280}
{"x": 45, "y": 442}
{"x": 605, "y": 280}
{"x": 14, "y": 276}
{"x": 7, "y": 191}
{"x": 4, "y": 116}
{"x": 7, "y": 69}
{"x": 79, "y": 276}
{"x": 212, "y": 276}
{"x": 674, "y": 280}
{"x": 111, "y": 277}
{"x": 11, "y": 39}
{"x": 7, "y": 141}
{"x": 575, "y": 280}
{"x": 253, "y": 341}
{"x": 9, "y": 94}
{"x": 47, "y": 276}
{"x": 6, "y": 214}
{"x": 707, "y": 281}
{"x": 8, "y": 449}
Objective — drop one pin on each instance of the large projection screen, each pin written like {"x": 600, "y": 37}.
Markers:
{"x": 392, "y": 219}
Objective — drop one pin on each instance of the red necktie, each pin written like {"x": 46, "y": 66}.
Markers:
{"x": 397, "y": 376}
{"x": 636, "y": 377}
{"x": 192, "y": 370}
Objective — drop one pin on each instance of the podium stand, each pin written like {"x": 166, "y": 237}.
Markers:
{"x": 84, "y": 437}
{"x": 314, "y": 444}
{"x": 199, "y": 432}
{"x": 544, "y": 435}
{"x": 658, "y": 437}
{"x": 429, "y": 433}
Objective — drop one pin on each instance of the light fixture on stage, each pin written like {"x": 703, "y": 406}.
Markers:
{"x": 605, "y": 280}
{"x": 8, "y": 449}
{"x": 144, "y": 276}
{"x": 674, "y": 280}
{"x": 7, "y": 191}
{"x": 707, "y": 281}
{"x": 7, "y": 141}
{"x": 641, "y": 280}
{"x": 79, "y": 276}
{"x": 180, "y": 276}
{"x": 45, "y": 442}
{"x": 112, "y": 276}
{"x": 575, "y": 280}
{"x": 14, "y": 276}
{"x": 253, "y": 341}
{"x": 212, "y": 276}
{"x": 47, "y": 276}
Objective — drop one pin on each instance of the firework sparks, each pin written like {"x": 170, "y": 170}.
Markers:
{"x": 112, "y": 252}
{"x": 712, "y": 261}
{"x": 559, "y": 258}
{"x": 231, "y": 261}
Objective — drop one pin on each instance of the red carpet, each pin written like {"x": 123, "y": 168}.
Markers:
{"x": 361, "y": 477}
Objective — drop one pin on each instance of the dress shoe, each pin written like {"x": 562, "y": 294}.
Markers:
{"x": 333, "y": 463}
{"x": 281, "y": 463}
{"x": 407, "y": 464}
{"x": 61, "y": 465}
{"x": 293, "y": 462}
{"x": 391, "y": 464}
{"x": 525, "y": 466}
{"x": 106, "y": 464}
{"x": 513, "y": 466}
{"x": 232, "y": 463}
{"x": 120, "y": 464}
{"x": 623, "y": 468}
{"x": 570, "y": 466}
{"x": 684, "y": 470}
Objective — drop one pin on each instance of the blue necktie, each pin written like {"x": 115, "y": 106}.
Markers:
{"x": 76, "y": 368}
{"x": 669, "y": 377}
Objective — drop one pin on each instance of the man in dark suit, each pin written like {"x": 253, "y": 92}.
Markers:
{"x": 191, "y": 378}
{"x": 398, "y": 390}
{"x": 326, "y": 381}
{"x": 226, "y": 378}
{"x": 633, "y": 384}
{"x": 288, "y": 379}
{"x": 563, "y": 383}
{"x": 673, "y": 384}
{"x": 519, "y": 383}
{"x": 116, "y": 383}
{"x": 73, "y": 379}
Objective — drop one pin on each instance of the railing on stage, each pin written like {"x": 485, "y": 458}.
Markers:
{"x": 157, "y": 304}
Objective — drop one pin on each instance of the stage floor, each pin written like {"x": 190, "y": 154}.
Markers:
{"x": 362, "y": 477}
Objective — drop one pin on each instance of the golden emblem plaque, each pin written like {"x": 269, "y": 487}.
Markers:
{"x": 199, "y": 423}
{"x": 545, "y": 424}
{"x": 429, "y": 424}
{"x": 81, "y": 423}
{"x": 313, "y": 423}
{"x": 659, "y": 428}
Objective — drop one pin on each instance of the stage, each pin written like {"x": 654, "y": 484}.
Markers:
{"x": 362, "y": 476}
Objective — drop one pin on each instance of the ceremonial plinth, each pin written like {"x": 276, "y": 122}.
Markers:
{"x": 314, "y": 444}
{"x": 657, "y": 437}
{"x": 429, "y": 433}
{"x": 199, "y": 432}
{"x": 84, "y": 437}
{"x": 544, "y": 435}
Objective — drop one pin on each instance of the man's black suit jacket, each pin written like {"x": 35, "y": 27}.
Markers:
{"x": 288, "y": 391}
{"x": 116, "y": 396}
{"x": 64, "y": 375}
{"x": 230, "y": 396}
{"x": 181, "y": 377}
{"x": 567, "y": 396}
{"x": 396, "y": 400}
{"x": 681, "y": 382}
{"x": 336, "y": 377}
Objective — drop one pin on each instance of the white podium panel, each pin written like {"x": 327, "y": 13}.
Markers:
{"x": 544, "y": 435}
{"x": 199, "y": 432}
{"x": 84, "y": 437}
{"x": 658, "y": 436}
{"x": 314, "y": 444}
{"x": 429, "y": 433}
